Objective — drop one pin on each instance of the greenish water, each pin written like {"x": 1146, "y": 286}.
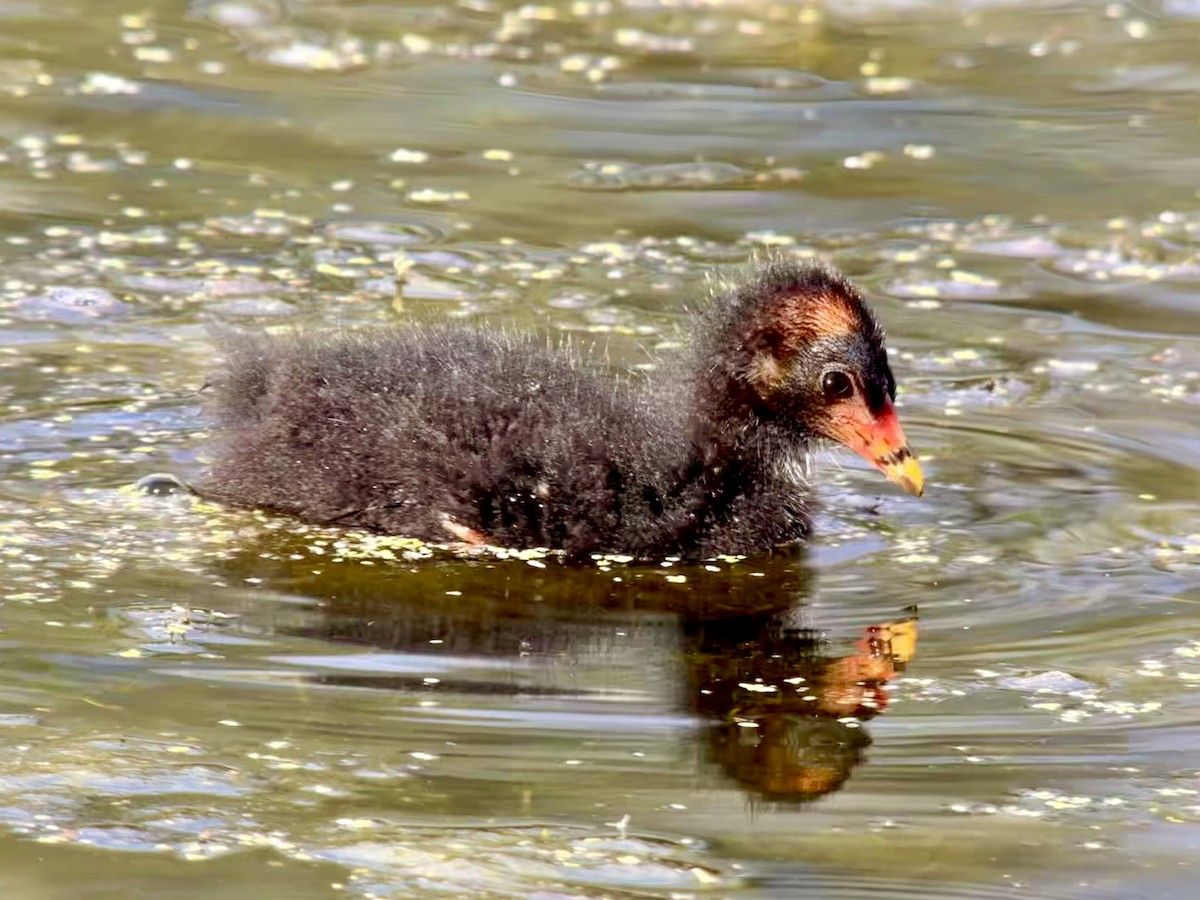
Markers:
{"x": 201, "y": 703}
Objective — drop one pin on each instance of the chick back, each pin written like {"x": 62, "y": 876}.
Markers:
{"x": 404, "y": 429}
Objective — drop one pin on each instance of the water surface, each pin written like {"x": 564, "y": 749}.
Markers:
{"x": 205, "y": 703}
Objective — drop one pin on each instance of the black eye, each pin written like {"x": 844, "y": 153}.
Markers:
{"x": 836, "y": 386}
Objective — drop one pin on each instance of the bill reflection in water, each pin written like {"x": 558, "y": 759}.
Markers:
{"x": 782, "y": 709}
{"x": 785, "y": 708}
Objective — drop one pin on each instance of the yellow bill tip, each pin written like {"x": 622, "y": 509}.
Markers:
{"x": 906, "y": 473}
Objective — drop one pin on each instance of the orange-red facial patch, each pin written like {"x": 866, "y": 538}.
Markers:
{"x": 878, "y": 438}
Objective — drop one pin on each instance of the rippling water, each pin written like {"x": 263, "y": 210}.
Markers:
{"x": 197, "y": 702}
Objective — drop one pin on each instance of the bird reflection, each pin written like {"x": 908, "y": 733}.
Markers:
{"x": 782, "y": 708}
{"x": 786, "y": 711}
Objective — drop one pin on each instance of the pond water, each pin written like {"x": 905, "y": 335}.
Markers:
{"x": 198, "y": 702}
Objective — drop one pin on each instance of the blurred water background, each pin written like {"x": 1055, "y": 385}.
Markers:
{"x": 211, "y": 704}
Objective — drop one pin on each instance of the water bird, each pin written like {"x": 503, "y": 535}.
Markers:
{"x": 479, "y": 436}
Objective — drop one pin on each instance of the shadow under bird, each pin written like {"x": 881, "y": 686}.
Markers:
{"x": 451, "y": 432}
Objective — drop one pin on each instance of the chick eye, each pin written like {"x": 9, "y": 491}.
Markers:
{"x": 836, "y": 386}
